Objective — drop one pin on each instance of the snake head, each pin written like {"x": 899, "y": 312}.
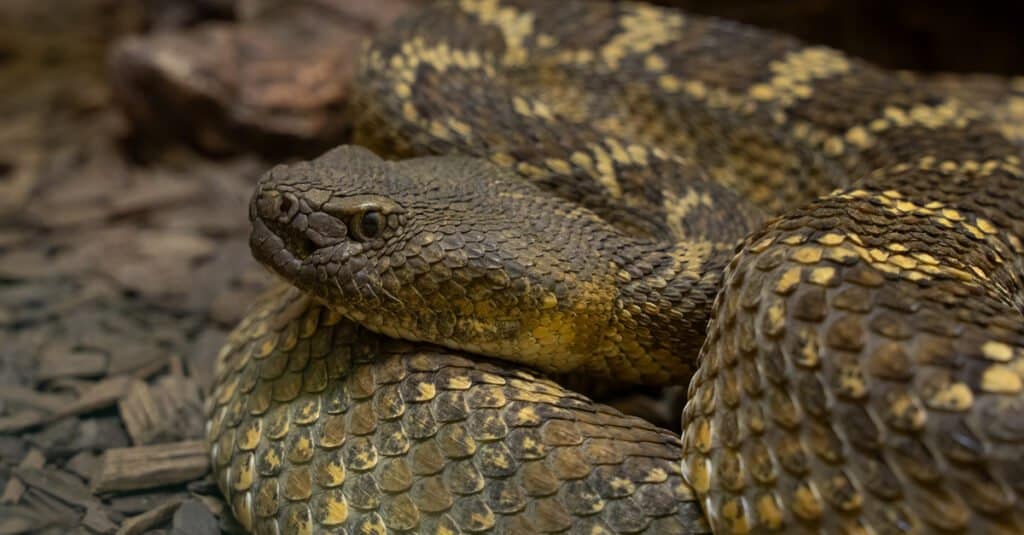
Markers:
{"x": 304, "y": 216}
{"x": 447, "y": 250}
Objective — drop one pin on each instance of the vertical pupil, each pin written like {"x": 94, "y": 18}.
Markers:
{"x": 370, "y": 224}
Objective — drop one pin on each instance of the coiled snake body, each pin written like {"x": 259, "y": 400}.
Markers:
{"x": 857, "y": 361}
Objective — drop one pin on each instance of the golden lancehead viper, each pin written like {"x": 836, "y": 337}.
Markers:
{"x": 828, "y": 254}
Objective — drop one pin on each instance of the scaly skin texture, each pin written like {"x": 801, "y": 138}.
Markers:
{"x": 463, "y": 259}
{"x": 863, "y": 366}
{"x": 319, "y": 426}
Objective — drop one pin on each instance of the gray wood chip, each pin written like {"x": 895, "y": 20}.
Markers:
{"x": 57, "y": 483}
{"x": 170, "y": 410}
{"x": 31, "y": 398}
{"x": 15, "y": 488}
{"x": 193, "y": 518}
{"x": 154, "y": 517}
{"x": 103, "y": 394}
{"x": 144, "y": 467}
{"x": 98, "y": 520}
{"x": 83, "y": 464}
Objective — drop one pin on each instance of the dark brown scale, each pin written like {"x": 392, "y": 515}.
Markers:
{"x": 861, "y": 370}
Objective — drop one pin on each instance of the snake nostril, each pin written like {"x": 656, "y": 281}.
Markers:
{"x": 288, "y": 206}
{"x": 267, "y": 204}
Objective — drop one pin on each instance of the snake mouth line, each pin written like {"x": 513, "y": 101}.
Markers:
{"x": 281, "y": 251}
{"x": 298, "y": 245}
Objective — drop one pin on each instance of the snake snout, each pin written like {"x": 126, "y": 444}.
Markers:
{"x": 273, "y": 205}
{"x": 281, "y": 213}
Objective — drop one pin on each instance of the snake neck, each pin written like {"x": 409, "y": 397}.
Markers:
{"x": 664, "y": 293}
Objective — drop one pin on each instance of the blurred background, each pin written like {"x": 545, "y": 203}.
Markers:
{"x": 131, "y": 133}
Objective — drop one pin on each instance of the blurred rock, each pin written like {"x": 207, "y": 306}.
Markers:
{"x": 181, "y": 13}
{"x": 370, "y": 14}
{"x": 276, "y": 85}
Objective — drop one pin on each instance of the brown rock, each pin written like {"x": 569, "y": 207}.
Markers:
{"x": 371, "y": 14}
{"x": 276, "y": 85}
{"x": 178, "y": 13}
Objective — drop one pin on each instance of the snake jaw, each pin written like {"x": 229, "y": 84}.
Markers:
{"x": 270, "y": 249}
{"x": 283, "y": 237}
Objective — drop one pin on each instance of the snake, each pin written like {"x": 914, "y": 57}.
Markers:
{"x": 827, "y": 254}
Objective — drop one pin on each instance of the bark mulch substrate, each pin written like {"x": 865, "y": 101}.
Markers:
{"x": 123, "y": 258}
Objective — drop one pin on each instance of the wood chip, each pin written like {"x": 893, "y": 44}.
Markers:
{"x": 11, "y": 237}
{"x": 134, "y": 357}
{"x": 101, "y": 395}
{"x": 97, "y": 520}
{"x": 57, "y": 483}
{"x": 230, "y": 305}
{"x": 50, "y": 438}
{"x": 76, "y": 215}
{"x": 15, "y": 488}
{"x": 169, "y": 410}
{"x": 55, "y": 511}
{"x": 156, "y": 516}
{"x": 28, "y": 397}
{"x": 25, "y": 264}
{"x": 145, "y": 467}
{"x": 83, "y": 464}
{"x": 134, "y": 504}
{"x": 23, "y": 419}
{"x": 154, "y": 192}
{"x": 56, "y": 364}
{"x": 203, "y": 355}
{"x": 12, "y": 447}
{"x": 215, "y": 504}
{"x": 69, "y": 436}
{"x": 15, "y": 520}
{"x": 194, "y": 518}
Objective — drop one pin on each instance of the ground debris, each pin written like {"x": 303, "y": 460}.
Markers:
{"x": 102, "y": 394}
{"x": 194, "y": 518}
{"x": 57, "y": 483}
{"x": 146, "y": 467}
{"x": 15, "y": 488}
{"x": 83, "y": 464}
{"x": 97, "y": 519}
{"x": 170, "y": 410}
{"x": 154, "y": 517}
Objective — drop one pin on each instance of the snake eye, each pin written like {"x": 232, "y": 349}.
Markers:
{"x": 366, "y": 225}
